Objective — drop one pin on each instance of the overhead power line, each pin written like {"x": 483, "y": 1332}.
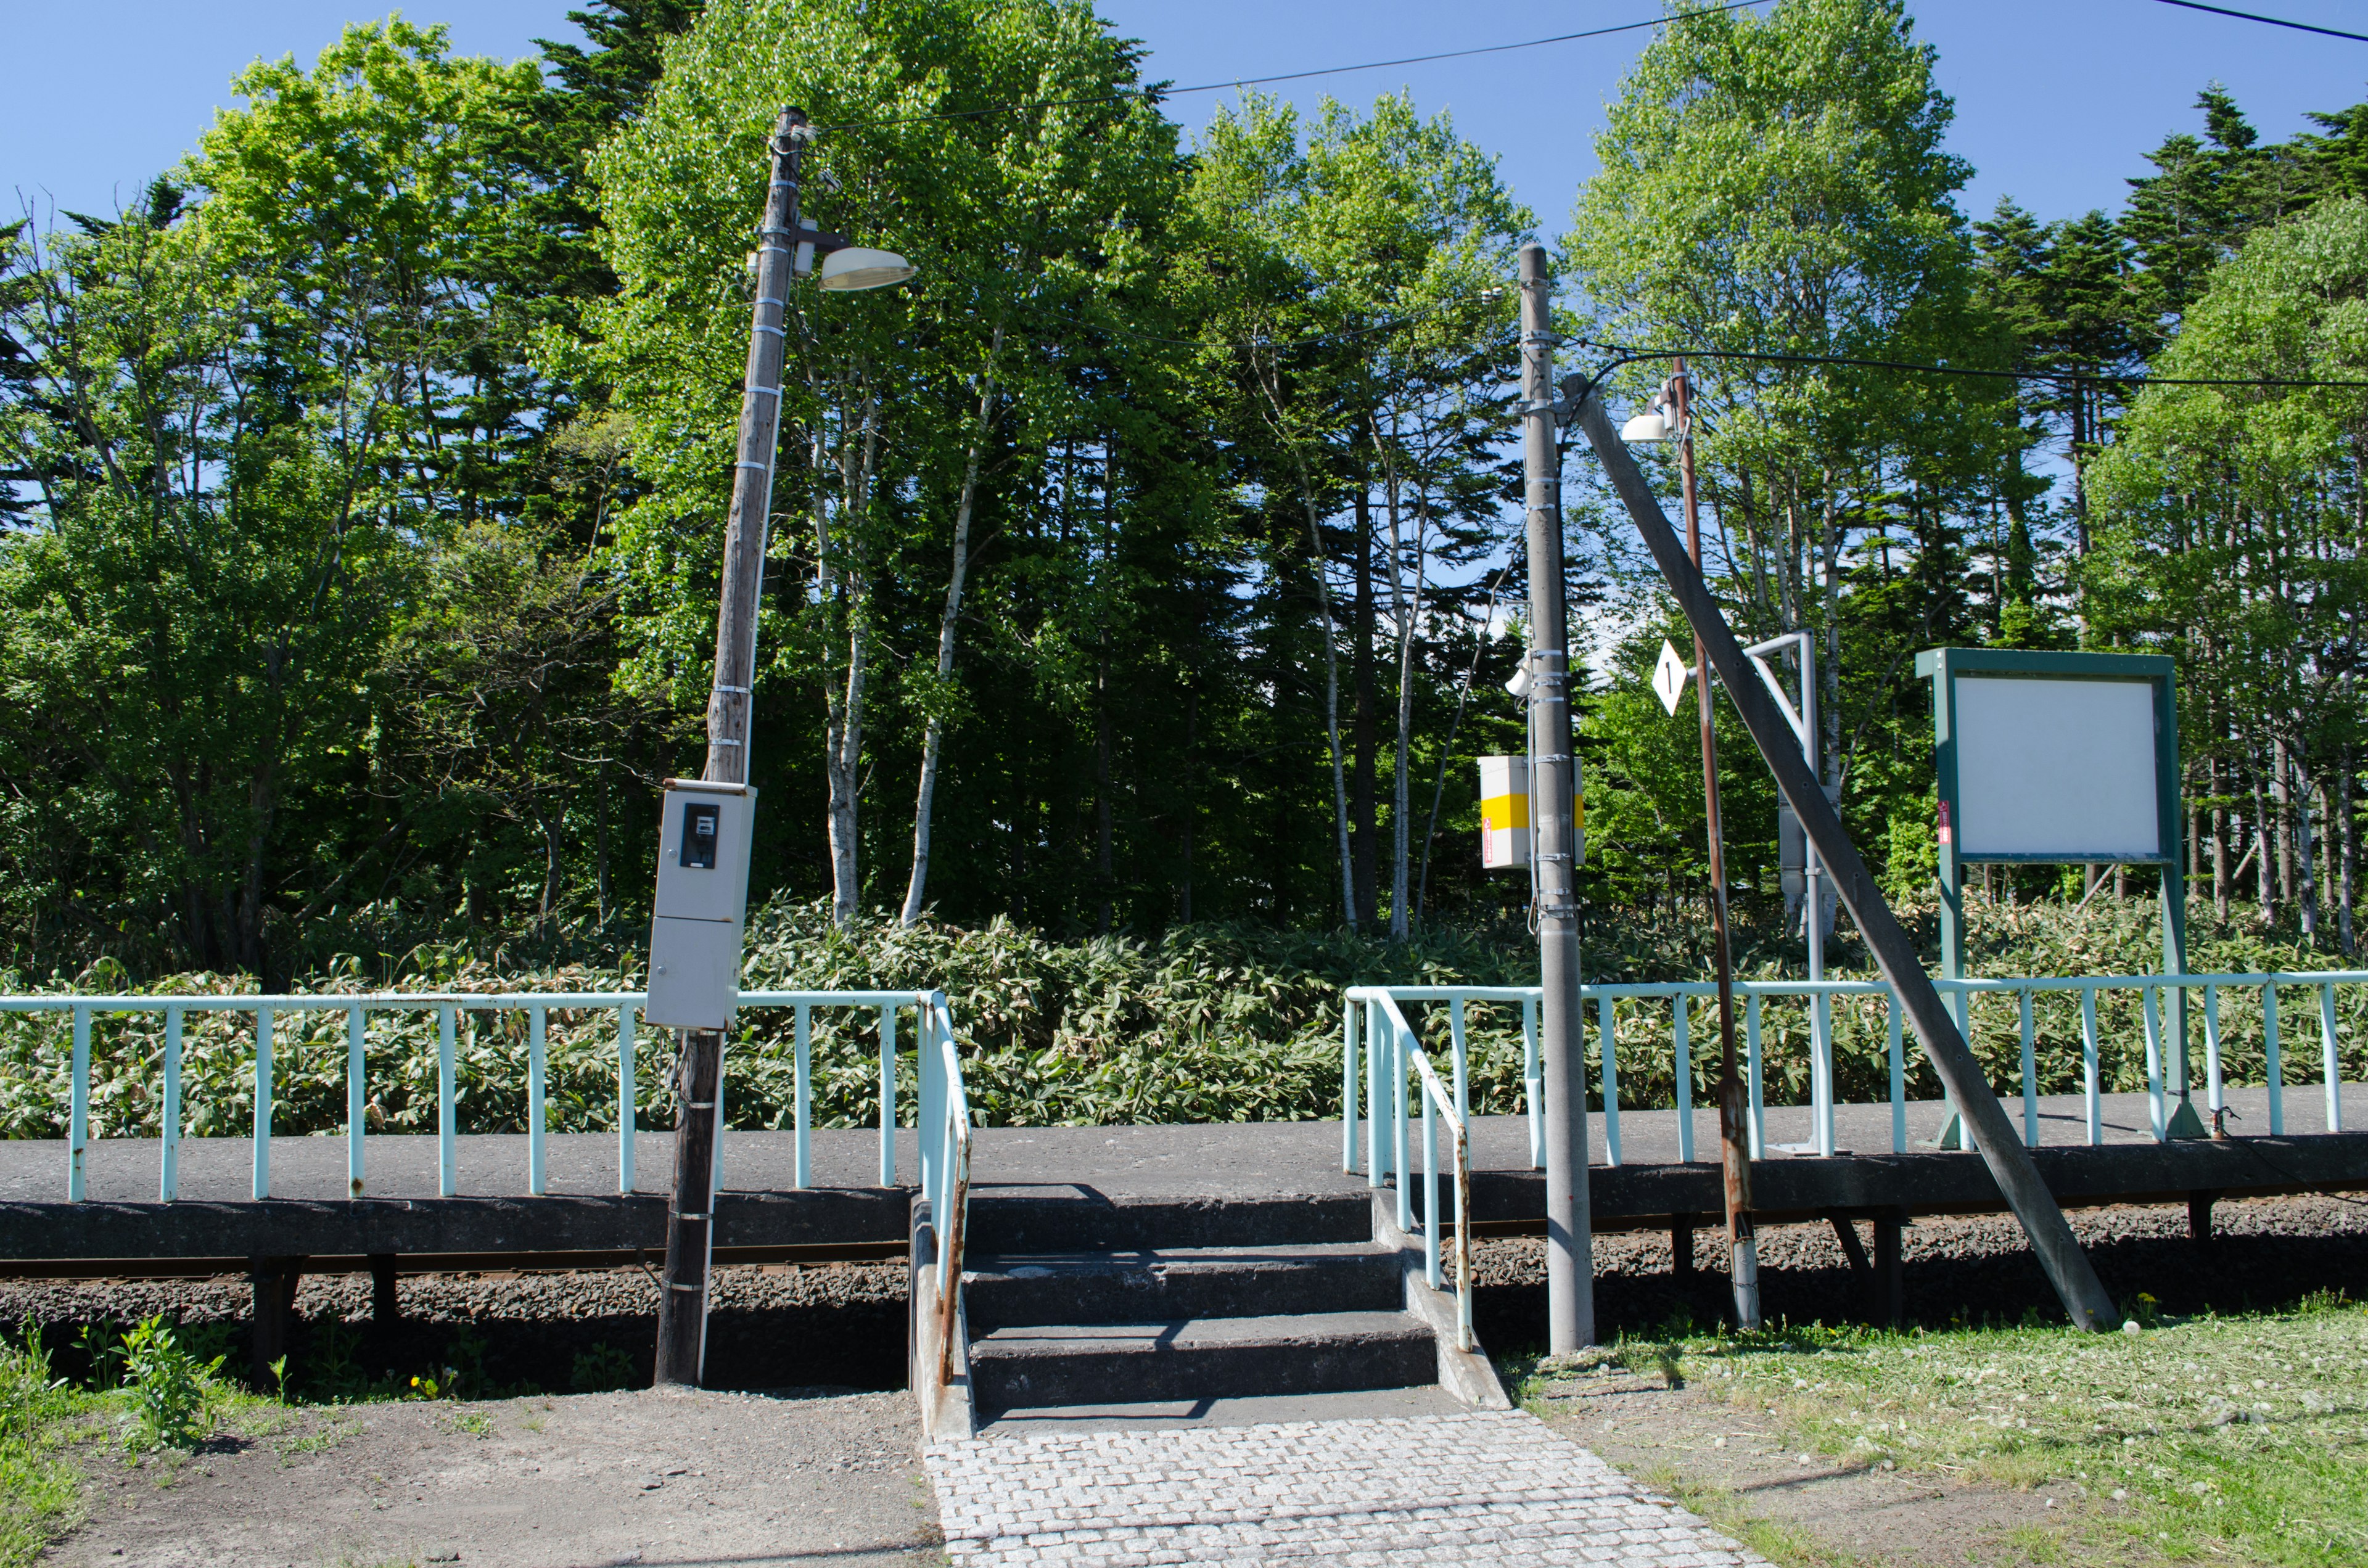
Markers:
{"x": 2273, "y": 21}
{"x": 1625, "y": 354}
{"x": 1157, "y": 92}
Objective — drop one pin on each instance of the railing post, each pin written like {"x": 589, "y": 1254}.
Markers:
{"x": 931, "y": 1093}
{"x": 628, "y": 1114}
{"x": 2213, "y": 1094}
{"x": 1404, "y": 1167}
{"x": 1348, "y": 1087}
{"x": 1898, "y": 1072}
{"x": 1455, "y": 1041}
{"x": 263, "y": 1030}
{"x": 168, "y": 1178}
{"x": 1681, "y": 1051}
{"x": 2332, "y": 1060}
{"x": 1752, "y": 1058}
{"x": 2094, "y": 1102}
{"x": 2269, "y": 1050}
{"x": 1607, "y": 1021}
{"x": 715, "y": 1167}
{"x": 1377, "y": 1132}
{"x": 1821, "y": 1068}
{"x": 78, "y": 1104}
{"x": 2157, "y": 1113}
{"x": 1430, "y": 1188}
{"x": 804, "y": 1107}
{"x": 357, "y": 1095}
{"x": 1533, "y": 1085}
{"x": 2029, "y": 1076}
{"x": 888, "y": 1093}
{"x": 448, "y": 1171}
{"x": 534, "y": 1093}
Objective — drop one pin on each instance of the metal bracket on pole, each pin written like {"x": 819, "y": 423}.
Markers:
{"x": 2067, "y": 1267}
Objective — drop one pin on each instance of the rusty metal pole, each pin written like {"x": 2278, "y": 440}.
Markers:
{"x": 1734, "y": 1134}
{"x": 690, "y": 1238}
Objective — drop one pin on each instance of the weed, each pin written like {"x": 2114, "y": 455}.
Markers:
{"x": 102, "y": 1345}
{"x": 601, "y": 1369}
{"x": 475, "y": 1423}
{"x": 40, "y": 1497}
{"x": 170, "y": 1389}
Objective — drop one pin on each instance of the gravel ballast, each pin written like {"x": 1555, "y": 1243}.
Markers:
{"x": 843, "y": 1324}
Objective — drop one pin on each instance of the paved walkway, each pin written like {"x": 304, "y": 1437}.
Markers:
{"x": 1478, "y": 1486}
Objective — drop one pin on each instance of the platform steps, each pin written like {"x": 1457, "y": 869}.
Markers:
{"x": 1091, "y": 1301}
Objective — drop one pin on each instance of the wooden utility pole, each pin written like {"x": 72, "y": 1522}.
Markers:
{"x": 690, "y": 1241}
{"x": 1554, "y": 786}
{"x": 1733, "y": 1131}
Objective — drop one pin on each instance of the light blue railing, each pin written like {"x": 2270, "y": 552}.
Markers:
{"x": 447, "y": 1007}
{"x": 945, "y": 1127}
{"x": 1406, "y": 1053}
{"x": 1364, "y": 1015}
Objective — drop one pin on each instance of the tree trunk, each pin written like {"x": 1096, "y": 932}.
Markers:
{"x": 1403, "y": 610}
{"x": 1267, "y": 384}
{"x": 2219, "y": 842}
{"x": 2348, "y": 835}
{"x": 2305, "y": 854}
{"x": 1363, "y": 824}
{"x": 2264, "y": 873}
{"x": 933, "y": 739}
{"x": 842, "y": 596}
{"x": 2282, "y": 795}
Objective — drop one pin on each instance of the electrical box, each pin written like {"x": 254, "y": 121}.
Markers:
{"x": 1793, "y": 861}
{"x": 702, "y": 901}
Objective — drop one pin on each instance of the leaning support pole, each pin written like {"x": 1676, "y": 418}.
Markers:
{"x": 2011, "y": 1165}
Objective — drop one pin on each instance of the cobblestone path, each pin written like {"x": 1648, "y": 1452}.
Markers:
{"x": 1480, "y": 1487}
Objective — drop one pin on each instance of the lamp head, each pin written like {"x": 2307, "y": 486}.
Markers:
{"x": 1650, "y": 426}
{"x": 856, "y": 267}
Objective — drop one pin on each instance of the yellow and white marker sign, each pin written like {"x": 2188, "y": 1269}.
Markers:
{"x": 1504, "y": 811}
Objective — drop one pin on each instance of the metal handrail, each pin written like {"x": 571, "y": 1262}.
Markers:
{"x": 1436, "y": 1102}
{"x": 945, "y": 1164}
{"x": 448, "y": 1006}
{"x": 1362, "y": 1015}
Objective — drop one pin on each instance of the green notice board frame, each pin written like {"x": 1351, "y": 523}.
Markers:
{"x": 1943, "y": 667}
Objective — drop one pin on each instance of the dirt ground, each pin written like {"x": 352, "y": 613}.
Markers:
{"x": 1729, "y": 1463}
{"x": 816, "y": 1478}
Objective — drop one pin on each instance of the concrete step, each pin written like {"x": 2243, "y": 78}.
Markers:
{"x": 1004, "y": 1221}
{"x": 1230, "y": 1358}
{"x": 1175, "y": 1283}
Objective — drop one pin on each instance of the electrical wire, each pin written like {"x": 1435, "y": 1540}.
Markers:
{"x": 2273, "y": 21}
{"x": 1625, "y": 354}
{"x": 1157, "y": 92}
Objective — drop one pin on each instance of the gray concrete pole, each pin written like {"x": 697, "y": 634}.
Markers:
{"x": 1553, "y": 780}
{"x": 682, "y": 1304}
{"x": 2010, "y": 1164}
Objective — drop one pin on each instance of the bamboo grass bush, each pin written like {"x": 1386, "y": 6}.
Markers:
{"x": 1205, "y": 1024}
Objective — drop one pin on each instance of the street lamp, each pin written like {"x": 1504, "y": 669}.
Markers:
{"x": 855, "y": 266}
{"x": 695, "y": 937}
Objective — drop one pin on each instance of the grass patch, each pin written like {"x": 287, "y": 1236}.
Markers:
{"x": 2232, "y": 1438}
{"x": 42, "y": 1417}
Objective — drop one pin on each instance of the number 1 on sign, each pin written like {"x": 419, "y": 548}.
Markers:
{"x": 1669, "y": 677}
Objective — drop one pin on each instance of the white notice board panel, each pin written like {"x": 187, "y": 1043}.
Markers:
{"x": 2056, "y": 769}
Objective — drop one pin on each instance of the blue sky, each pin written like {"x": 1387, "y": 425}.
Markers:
{"x": 2056, "y": 99}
